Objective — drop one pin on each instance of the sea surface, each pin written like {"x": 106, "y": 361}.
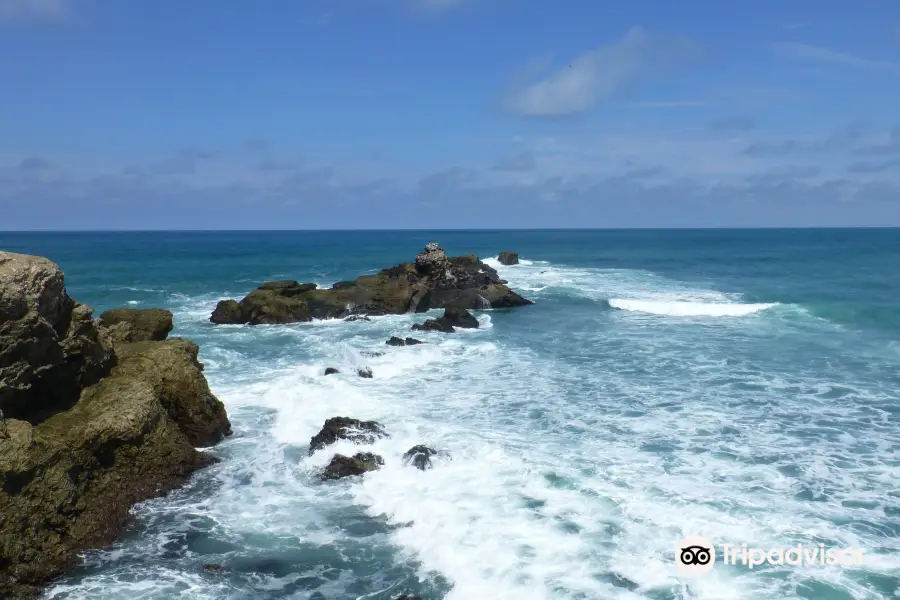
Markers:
{"x": 740, "y": 385}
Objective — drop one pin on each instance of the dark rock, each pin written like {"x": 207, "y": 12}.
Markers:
{"x": 419, "y": 456}
{"x": 50, "y": 346}
{"x": 347, "y": 466}
{"x": 229, "y": 312}
{"x": 434, "y": 325}
{"x": 370, "y": 353}
{"x": 215, "y": 568}
{"x": 434, "y": 280}
{"x": 405, "y": 597}
{"x": 365, "y": 373}
{"x": 508, "y": 258}
{"x": 287, "y": 287}
{"x": 331, "y": 371}
{"x": 135, "y": 325}
{"x": 357, "y": 318}
{"x": 345, "y": 428}
{"x": 397, "y": 341}
{"x": 81, "y": 443}
{"x": 452, "y": 317}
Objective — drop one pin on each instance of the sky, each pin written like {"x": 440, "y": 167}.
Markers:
{"x": 442, "y": 114}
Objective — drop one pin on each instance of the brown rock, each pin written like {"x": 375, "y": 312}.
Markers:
{"x": 434, "y": 280}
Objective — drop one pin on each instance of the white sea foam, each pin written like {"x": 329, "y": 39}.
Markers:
{"x": 571, "y": 475}
{"x": 688, "y": 309}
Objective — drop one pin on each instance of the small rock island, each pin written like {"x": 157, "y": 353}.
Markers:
{"x": 434, "y": 280}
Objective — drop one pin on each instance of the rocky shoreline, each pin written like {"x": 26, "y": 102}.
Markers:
{"x": 97, "y": 414}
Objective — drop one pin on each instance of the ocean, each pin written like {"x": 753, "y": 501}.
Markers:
{"x": 739, "y": 385}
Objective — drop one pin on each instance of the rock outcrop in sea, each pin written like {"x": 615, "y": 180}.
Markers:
{"x": 508, "y": 257}
{"x": 433, "y": 280}
{"x": 95, "y": 415}
{"x": 446, "y": 323}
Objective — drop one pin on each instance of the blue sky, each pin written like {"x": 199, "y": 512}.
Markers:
{"x": 231, "y": 114}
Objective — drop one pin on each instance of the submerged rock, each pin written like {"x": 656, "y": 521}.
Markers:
{"x": 365, "y": 373}
{"x": 331, "y": 371}
{"x": 405, "y": 597}
{"x": 433, "y": 280}
{"x": 345, "y": 428}
{"x": 419, "y": 457}
{"x": 508, "y": 258}
{"x": 347, "y": 466}
{"x": 88, "y": 429}
{"x": 452, "y": 317}
{"x": 215, "y": 568}
{"x": 398, "y": 341}
{"x": 371, "y": 353}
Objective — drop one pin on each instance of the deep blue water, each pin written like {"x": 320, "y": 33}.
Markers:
{"x": 741, "y": 385}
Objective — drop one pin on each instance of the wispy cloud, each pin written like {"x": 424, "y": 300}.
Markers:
{"x": 732, "y": 124}
{"x": 669, "y": 104}
{"x": 34, "y": 10}
{"x": 807, "y": 52}
{"x": 874, "y": 167}
{"x": 524, "y": 161}
{"x": 599, "y": 74}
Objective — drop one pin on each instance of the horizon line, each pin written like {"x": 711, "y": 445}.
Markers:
{"x": 459, "y": 229}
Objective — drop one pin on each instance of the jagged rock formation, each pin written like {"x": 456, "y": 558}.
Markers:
{"x": 419, "y": 457}
{"x": 398, "y": 341}
{"x": 508, "y": 258}
{"x": 433, "y": 280}
{"x": 347, "y": 466}
{"x": 345, "y": 428}
{"x": 452, "y": 317}
{"x": 90, "y": 423}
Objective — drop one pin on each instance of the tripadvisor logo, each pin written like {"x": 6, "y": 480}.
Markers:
{"x": 697, "y": 556}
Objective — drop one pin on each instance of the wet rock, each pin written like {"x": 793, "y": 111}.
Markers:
{"x": 83, "y": 442}
{"x": 345, "y": 428}
{"x": 215, "y": 568}
{"x": 125, "y": 325}
{"x": 508, "y": 258}
{"x": 347, "y": 466}
{"x": 433, "y": 280}
{"x": 365, "y": 373}
{"x": 370, "y": 353}
{"x": 405, "y": 597}
{"x": 357, "y": 318}
{"x": 398, "y": 341}
{"x": 452, "y": 317}
{"x": 419, "y": 457}
{"x": 50, "y": 345}
{"x": 229, "y": 312}
{"x": 331, "y": 371}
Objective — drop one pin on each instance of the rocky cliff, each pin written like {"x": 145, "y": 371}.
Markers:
{"x": 95, "y": 415}
{"x": 434, "y": 280}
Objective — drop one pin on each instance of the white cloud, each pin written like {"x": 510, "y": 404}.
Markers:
{"x": 807, "y": 52}
{"x": 669, "y": 104}
{"x": 34, "y": 10}
{"x": 598, "y": 75}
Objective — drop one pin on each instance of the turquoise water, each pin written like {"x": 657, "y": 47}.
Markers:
{"x": 737, "y": 385}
